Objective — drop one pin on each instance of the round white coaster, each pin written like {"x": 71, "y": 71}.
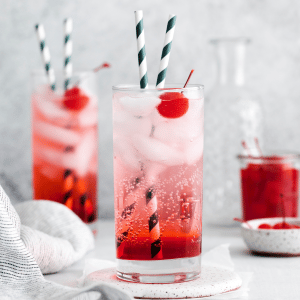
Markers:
{"x": 212, "y": 281}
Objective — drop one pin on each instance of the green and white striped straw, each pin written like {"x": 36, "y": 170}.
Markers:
{"x": 165, "y": 56}
{"x": 45, "y": 54}
{"x": 140, "y": 36}
{"x": 68, "y": 48}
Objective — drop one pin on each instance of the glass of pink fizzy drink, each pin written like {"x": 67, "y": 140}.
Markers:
{"x": 64, "y": 143}
{"x": 158, "y": 159}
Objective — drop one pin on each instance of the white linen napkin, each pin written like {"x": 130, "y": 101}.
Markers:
{"x": 220, "y": 257}
{"x": 44, "y": 238}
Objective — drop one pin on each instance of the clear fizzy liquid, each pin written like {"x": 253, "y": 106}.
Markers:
{"x": 158, "y": 165}
{"x": 64, "y": 146}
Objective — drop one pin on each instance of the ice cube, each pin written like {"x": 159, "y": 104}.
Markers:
{"x": 194, "y": 150}
{"x": 152, "y": 171}
{"x": 116, "y": 101}
{"x": 126, "y": 152}
{"x": 88, "y": 91}
{"x": 182, "y": 129}
{"x": 139, "y": 105}
{"x": 57, "y": 134}
{"x": 52, "y": 156}
{"x": 49, "y": 104}
{"x": 127, "y": 124}
{"x": 155, "y": 150}
{"x": 195, "y": 109}
{"x": 89, "y": 115}
{"x": 193, "y": 94}
{"x": 79, "y": 160}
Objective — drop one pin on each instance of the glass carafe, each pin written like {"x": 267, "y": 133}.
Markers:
{"x": 232, "y": 113}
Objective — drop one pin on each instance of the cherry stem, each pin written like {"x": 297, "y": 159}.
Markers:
{"x": 257, "y": 146}
{"x": 242, "y": 221}
{"x": 95, "y": 70}
{"x": 283, "y": 208}
{"x": 187, "y": 81}
{"x": 104, "y": 65}
{"x": 245, "y": 146}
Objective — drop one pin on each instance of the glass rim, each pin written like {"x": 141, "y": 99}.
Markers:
{"x": 272, "y": 157}
{"x": 240, "y": 39}
{"x": 168, "y": 87}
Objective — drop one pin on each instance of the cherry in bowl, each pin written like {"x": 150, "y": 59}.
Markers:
{"x": 281, "y": 239}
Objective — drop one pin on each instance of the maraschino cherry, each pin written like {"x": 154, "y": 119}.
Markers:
{"x": 284, "y": 224}
{"x": 264, "y": 226}
{"x": 75, "y": 99}
{"x": 174, "y": 105}
{"x": 280, "y": 225}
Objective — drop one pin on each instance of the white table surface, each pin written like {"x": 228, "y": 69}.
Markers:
{"x": 274, "y": 278}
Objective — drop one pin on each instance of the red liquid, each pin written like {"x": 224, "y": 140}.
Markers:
{"x": 179, "y": 216}
{"x": 172, "y": 247}
{"x": 265, "y": 187}
{"x": 53, "y": 189}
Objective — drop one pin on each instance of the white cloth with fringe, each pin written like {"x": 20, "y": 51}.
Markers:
{"x": 42, "y": 237}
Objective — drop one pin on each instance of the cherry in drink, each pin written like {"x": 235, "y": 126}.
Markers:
{"x": 158, "y": 162}
{"x": 64, "y": 144}
{"x": 269, "y": 186}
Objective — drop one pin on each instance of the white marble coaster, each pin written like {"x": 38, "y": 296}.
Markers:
{"x": 212, "y": 281}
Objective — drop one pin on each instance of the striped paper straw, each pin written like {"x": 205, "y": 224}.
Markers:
{"x": 68, "y": 47}
{"x": 140, "y": 36}
{"x": 86, "y": 205}
{"x": 68, "y": 185}
{"x": 45, "y": 54}
{"x": 154, "y": 230}
{"x": 128, "y": 212}
{"x": 165, "y": 56}
{"x": 127, "y": 215}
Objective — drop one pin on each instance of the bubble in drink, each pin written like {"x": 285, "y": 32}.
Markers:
{"x": 157, "y": 151}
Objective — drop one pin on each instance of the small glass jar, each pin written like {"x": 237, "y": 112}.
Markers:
{"x": 269, "y": 186}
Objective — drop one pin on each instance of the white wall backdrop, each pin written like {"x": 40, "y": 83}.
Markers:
{"x": 105, "y": 31}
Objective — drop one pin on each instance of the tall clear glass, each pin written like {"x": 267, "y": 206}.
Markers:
{"x": 65, "y": 142}
{"x": 158, "y": 150}
{"x": 232, "y": 113}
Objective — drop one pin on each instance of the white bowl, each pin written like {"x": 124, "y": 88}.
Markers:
{"x": 282, "y": 242}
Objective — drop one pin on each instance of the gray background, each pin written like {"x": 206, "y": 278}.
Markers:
{"x": 105, "y": 31}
